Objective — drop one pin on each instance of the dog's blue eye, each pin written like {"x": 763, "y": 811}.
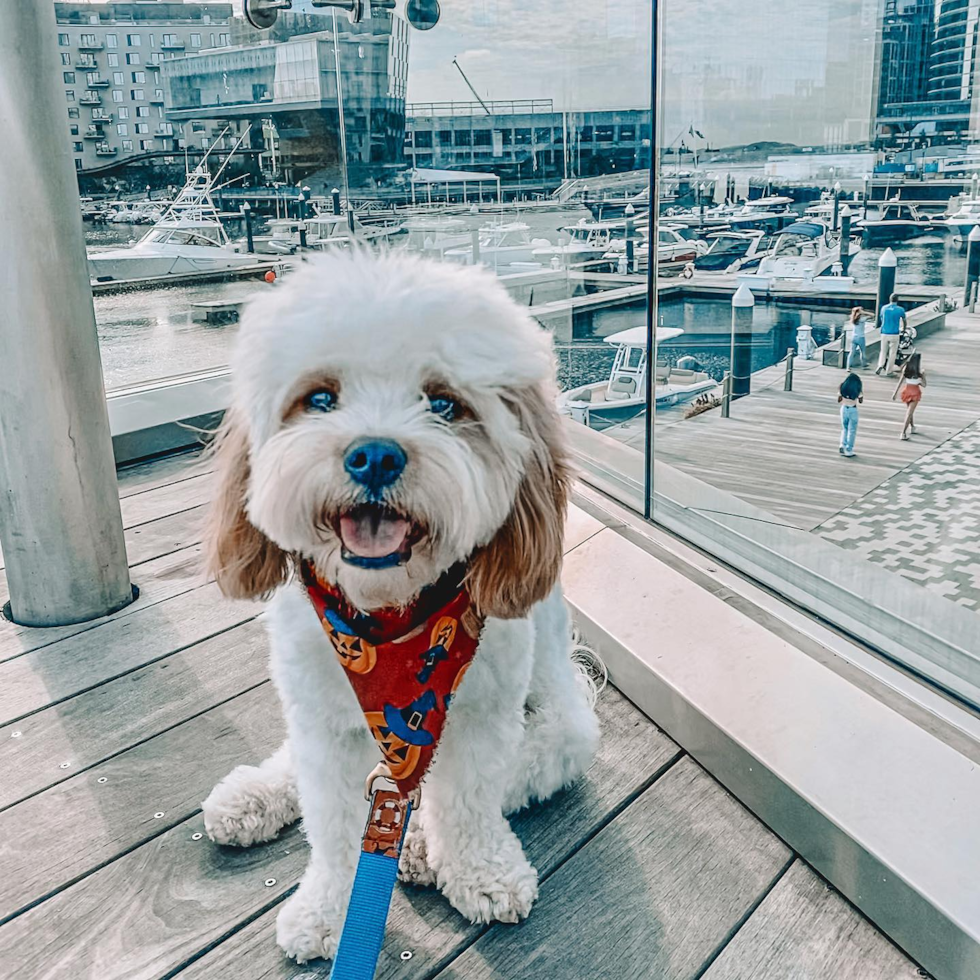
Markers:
{"x": 448, "y": 408}
{"x": 321, "y": 401}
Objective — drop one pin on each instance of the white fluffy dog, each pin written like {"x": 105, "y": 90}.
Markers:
{"x": 437, "y": 366}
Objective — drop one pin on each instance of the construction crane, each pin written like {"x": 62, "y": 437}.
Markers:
{"x": 469, "y": 84}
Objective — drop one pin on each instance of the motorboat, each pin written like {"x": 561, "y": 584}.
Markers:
{"x": 733, "y": 251}
{"x": 766, "y": 213}
{"x": 674, "y": 250}
{"x": 501, "y": 244}
{"x": 188, "y": 238}
{"x": 586, "y": 240}
{"x": 802, "y": 251}
{"x": 434, "y": 235}
{"x": 895, "y": 221}
{"x": 323, "y": 231}
{"x": 965, "y": 218}
{"x": 623, "y": 394}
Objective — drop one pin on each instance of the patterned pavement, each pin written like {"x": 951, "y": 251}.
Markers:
{"x": 924, "y": 522}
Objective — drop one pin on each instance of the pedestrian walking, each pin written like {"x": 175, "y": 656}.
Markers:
{"x": 859, "y": 340}
{"x": 851, "y": 395}
{"x": 911, "y": 381}
{"x": 893, "y": 318}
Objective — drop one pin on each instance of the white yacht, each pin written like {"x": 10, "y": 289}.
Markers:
{"x": 435, "y": 235}
{"x": 895, "y": 221}
{"x": 188, "y": 238}
{"x": 587, "y": 240}
{"x": 501, "y": 244}
{"x": 674, "y": 251}
{"x": 323, "y": 231}
{"x": 802, "y": 251}
{"x": 965, "y": 218}
{"x": 623, "y": 394}
{"x": 732, "y": 251}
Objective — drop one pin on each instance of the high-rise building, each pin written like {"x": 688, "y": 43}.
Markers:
{"x": 907, "y": 32}
{"x": 111, "y": 57}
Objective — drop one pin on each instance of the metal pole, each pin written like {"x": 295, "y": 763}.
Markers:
{"x": 973, "y": 298}
{"x": 60, "y": 525}
{"x": 887, "y": 268}
{"x": 726, "y": 395}
{"x": 972, "y": 262}
{"x": 249, "y": 240}
{"x": 836, "y": 205}
{"x": 740, "y": 377}
{"x": 788, "y": 380}
{"x": 845, "y": 239}
{"x": 630, "y": 248}
{"x": 653, "y": 215}
{"x": 343, "y": 129}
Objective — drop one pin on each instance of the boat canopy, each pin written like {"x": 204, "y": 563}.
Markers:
{"x": 637, "y": 336}
{"x": 809, "y": 229}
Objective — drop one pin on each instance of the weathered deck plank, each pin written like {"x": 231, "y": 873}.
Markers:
{"x": 74, "y": 664}
{"x": 66, "y": 832}
{"x": 88, "y": 729}
{"x": 176, "y": 897}
{"x": 632, "y": 753}
{"x": 690, "y": 863}
{"x": 158, "y": 472}
{"x": 804, "y": 930}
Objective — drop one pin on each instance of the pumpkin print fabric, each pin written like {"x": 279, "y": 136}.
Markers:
{"x": 404, "y": 665}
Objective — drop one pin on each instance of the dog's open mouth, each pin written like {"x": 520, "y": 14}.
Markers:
{"x": 375, "y": 536}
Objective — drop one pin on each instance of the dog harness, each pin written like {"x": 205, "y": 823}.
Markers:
{"x": 405, "y": 666}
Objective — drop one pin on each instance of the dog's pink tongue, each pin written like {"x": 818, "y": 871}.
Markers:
{"x": 371, "y": 537}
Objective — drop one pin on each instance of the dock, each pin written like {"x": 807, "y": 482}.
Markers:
{"x": 255, "y": 271}
{"x": 113, "y": 731}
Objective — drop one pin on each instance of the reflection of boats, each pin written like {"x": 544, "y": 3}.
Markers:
{"x": 188, "y": 238}
{"x": 501, "y": 244}
{"x": 894, "y": 222}
{"x": 802, "y": 250}
{"x": 623, "y": 395}
{"x": 965, "y": 218}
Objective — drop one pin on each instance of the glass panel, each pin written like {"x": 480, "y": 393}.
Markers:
{"x": 803, "y": 167}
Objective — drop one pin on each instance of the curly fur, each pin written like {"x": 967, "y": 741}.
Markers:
{"x": 488, "y": 488}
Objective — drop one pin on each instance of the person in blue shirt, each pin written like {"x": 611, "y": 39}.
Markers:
{"x": 892, "y": 320}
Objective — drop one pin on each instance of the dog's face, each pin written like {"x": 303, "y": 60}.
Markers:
{"x": 390, "y": 418}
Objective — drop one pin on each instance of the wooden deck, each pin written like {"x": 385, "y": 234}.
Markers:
{"x": 112, "y": 732}
{"x": 779, "y": 448}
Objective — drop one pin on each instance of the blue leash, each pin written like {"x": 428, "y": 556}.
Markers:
{"x": 374, "y": 882}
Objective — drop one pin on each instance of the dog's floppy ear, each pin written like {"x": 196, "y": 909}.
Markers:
{"x": 521, "y": 564}
{"x": 243, "y": 561}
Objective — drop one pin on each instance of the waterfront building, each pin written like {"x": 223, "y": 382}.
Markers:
{"x": 286, "y": 87}
{"x": 527, "y": 139}
{"x": 111, "y": 59}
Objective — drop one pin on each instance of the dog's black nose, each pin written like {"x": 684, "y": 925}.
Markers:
{"x": 375, "y": 464}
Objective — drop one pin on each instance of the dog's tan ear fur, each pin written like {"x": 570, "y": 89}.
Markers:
{"x": 243, "y": 561}
{"x": 520, "y": 566}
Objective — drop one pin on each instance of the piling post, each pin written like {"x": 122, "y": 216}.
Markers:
{"x": 972, "y": 262}
{"x": 302, "y": 234}
{"x": 335, "y": 197}
{"x": 743, "y": 308}
{"x": 60, "y": 524}
{"x": 887, "y": 269}
{"x": 836, "y": 205}
{"x": 630, "y": 229}
{"x": 788, "y": 380}
{"x": 845, "y": 239}
{"x": 726, "y": 395}
{"x": 249, "y": 239}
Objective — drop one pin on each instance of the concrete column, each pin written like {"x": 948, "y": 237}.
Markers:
{"x": 743, "y": 309}
{"x": 60, "y": 526}
{"x": 972, "y": 262}
{"x": 845, "y": 239}
{"x": 887, "y": 269}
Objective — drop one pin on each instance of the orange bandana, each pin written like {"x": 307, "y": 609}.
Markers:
{"x": 404, "y": 665}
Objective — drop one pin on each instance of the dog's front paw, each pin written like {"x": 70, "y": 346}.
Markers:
{"x": 413, "y": 868}
{"x": 495, "y": 891}
{"x": 251, "y": 804}
{"x": 307, "y": 929}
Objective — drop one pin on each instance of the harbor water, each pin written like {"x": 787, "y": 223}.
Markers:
{"x": 149, "y": 334}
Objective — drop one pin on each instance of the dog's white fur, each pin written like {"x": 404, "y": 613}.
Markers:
{"x": 489, "y": 489}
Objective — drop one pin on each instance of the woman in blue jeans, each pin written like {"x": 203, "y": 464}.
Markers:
{"x": 859, "y": 339}
{"x": 851, "y": 395}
